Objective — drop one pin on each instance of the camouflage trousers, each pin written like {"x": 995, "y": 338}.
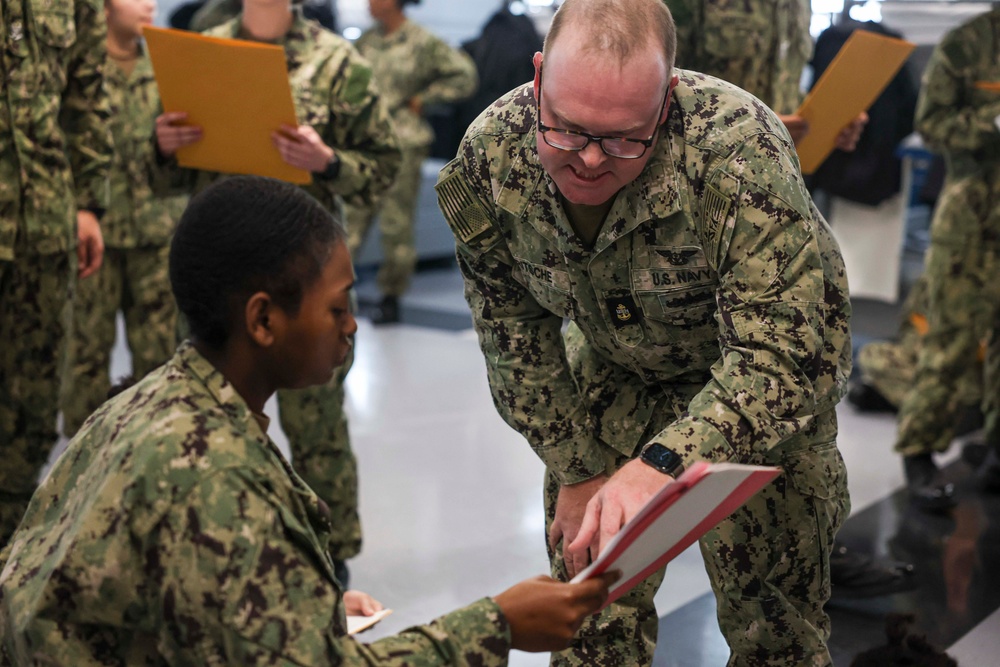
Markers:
{"x": 963, "y": 307}
{"x": 34, "y": 290}
{"x": 891, "y": 366}
{"x": 769, "y": 566}
{"x": 395, "y": 225}
{"x": 316, "y": 426}
{"x": 137, "y": 282}
{"x": 768, "y": 562}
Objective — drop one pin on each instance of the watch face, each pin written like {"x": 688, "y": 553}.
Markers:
{"x": 661, "y": 458}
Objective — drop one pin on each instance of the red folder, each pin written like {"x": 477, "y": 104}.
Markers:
{"x": 674, "y": 518}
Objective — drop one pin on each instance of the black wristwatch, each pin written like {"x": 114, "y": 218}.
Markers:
{"x": 332, "y": 169}
{"x": 663, "y": 459}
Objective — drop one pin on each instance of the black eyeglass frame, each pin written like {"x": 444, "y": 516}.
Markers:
{"x": 543, "y": 129}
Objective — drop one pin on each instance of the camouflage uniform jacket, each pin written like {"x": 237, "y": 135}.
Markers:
{"x": 173, "y": 532}
{"x": 761, "y": 46}
{"x": 956, "y": 113}
{"x": 714, "y": 282}
{"x": 214, "y": 13}
{"x": 334, "y": 93}
{"x": 135, "y": 217}
{"x": 412, "y": 62}
{"x": 55, "y": 145}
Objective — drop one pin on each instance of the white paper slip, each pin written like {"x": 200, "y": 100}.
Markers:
{"x": 356, "y": 624}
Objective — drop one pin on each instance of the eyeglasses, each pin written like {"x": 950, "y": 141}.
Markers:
{"x": 571, "y": 140}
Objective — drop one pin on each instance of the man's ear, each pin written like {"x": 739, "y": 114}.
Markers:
{"x": 260, "y": 317}
{"x": 670, "y": 93}
{"x": 536, "y": 60}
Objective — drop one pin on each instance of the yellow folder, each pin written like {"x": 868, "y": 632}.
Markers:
{"x": 859, "y": 73}
{"x": 236, "y": 90}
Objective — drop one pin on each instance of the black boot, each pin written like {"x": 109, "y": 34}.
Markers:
{"x": 988, "y": 474}
{"x": 921, "y": 481}
{"x": 856, "y": 575}
{"x": 387, "y": 311}
{"x": 867, "y": 398}
{"x": 974, "y": 453}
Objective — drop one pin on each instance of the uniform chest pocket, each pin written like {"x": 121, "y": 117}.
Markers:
{"x": 55, "y": 28}
{"x": 690, "y": 307}
{"x": 683, "y": 318}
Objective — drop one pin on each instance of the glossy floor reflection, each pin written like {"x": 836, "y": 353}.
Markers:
{"x": 882, "y": 522}
{"x": 957, "y": 560}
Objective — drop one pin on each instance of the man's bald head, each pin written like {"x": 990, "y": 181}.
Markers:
{"x": 619, "y": 28}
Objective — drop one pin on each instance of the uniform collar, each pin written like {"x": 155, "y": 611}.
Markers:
{"x": 399, "y": 36}
{"x": 215, "y": 383}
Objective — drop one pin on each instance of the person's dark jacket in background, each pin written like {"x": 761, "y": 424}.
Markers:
{"x": 502, "y": 54}
{"x": 872, "y": 173}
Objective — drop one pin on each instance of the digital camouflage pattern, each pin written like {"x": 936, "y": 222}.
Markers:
{"x": 214, "y": 13}
{"x": 34, "y": 290}
{"x": 334, "y": 93}
{"x": 137, "y": 282}
{"x": 711, "y": 316}
{"x": 957, "y": 117}
{"x": 413, "y": 62}
{"x": 890, "y": 366}
{"x": 172, "y": 532}
{"x": 395, "y": 225}
{"x": 315, "y": 424}
{"x": 137, "y": 227}
{"x": 56, "y": 148}
{"x": 761, "y": 46}
{"x": 409, "y": 63}
{"x": 54, "y": 122}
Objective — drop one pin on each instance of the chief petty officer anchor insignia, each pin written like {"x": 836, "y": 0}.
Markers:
{"x": 623, "y": 311}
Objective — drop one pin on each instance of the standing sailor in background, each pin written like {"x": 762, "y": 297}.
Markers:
{"x": 413, "y": 69}
{"x": 345, "y": 138}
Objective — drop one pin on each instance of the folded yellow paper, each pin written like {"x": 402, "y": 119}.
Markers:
{"x": 238, "y": 93}
{"x": 859, "y": 73}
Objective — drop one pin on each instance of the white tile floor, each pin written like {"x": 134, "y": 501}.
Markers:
{"x": 451, "y": 496}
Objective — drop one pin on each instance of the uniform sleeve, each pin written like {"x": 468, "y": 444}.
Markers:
{"x": 783, "y": 313}
{"x": 951, "y": 115}
{"x": 361, "y": 133}
{"x": 86, "y": 109}
{"x": 521, "y": 341}
{"x": 453, "y": 77}
{"x": 240, "y": 581}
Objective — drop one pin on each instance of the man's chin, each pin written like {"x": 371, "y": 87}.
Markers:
{"x": 582, "y": 193}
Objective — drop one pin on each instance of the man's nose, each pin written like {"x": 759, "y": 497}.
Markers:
{"x": 592, "y": 155}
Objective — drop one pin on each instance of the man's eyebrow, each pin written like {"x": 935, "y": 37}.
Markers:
{"x": 569, "y": 125}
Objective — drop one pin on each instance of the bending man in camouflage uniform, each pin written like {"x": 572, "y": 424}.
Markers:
{"x": 413, "y": 68}
{"x": 136, "y": 228}
{"x": 53, "y": 182}
{"x": 346, "y": 140}
{"x": 763, "y": 46}
{"x": 663, "y": 213}
{"x": 957, "y": 116}
{"x": 172, "y": 532}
